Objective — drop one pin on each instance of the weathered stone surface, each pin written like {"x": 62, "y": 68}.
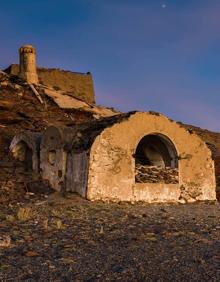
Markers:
{"x": 156, "y": 192}
{"x": 154, "y": 174}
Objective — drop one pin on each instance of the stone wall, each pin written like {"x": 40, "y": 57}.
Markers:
{"x": 155, "y": 174}
{"x": 98, "y": 161}
{"x": 78, "y": 85}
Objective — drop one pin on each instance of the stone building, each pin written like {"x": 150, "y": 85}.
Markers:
{"x": 150, "y": 139}
{"x": 76, "y": 84}
{"x": 110, "y": 156}
{"x": 129, "y": 157}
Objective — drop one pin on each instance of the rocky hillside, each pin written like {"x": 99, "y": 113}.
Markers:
{"x": 24, "y": 108}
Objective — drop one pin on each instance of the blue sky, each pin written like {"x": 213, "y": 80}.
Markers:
{"x": 144, "y": 54}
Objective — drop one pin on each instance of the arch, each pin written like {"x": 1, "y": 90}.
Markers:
{"x": 156, "y": 150}
{"x": 112, "y": 163}
{"x": 25, "y": 148}
{"x": 156, "y": 160}
{"x": 23, "y": 153}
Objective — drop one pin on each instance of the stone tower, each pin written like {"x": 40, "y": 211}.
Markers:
{"x": 27, "y": 65}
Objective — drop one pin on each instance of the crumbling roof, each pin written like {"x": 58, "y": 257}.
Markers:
{"x": 14, "y": 84}
{"x": 20, "y": 110}
{"x": 80, "y": 137}
{"x": 65, "y": 101}
{"x": 61, "y": 137}
{"x": 87, "y": 132}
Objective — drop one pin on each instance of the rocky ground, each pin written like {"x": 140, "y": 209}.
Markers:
{"x": 71, "y": 239}
{"x": 51, "y": 238}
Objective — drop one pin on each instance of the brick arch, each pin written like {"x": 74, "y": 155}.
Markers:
{"x": 112, "y": 166}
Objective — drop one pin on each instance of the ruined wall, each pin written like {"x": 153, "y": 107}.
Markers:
{"x": 32, "y": 141}
{"x": 53, "y": 158}
{"x": 112, "y": 165}
{"x": 155, "y": 174}
{"x": 78, "y": 85}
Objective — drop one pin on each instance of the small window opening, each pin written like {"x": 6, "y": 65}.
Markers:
{"x": 156, "y": 160}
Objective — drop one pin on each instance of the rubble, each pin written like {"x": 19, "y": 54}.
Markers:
{"x": 65, "y": 101}
{"x": 19, "y": 113}
{"x": 156, "y": 174}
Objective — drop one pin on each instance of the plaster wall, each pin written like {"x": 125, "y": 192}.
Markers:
{"x": 53, "y": 158}
{"x": 54, "y": 173}
{"x": 156, "y": 192}
{"x": 112, "y": 165}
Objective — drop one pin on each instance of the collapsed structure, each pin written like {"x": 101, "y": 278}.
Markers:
{"x": 135, "y": 156}
{"x": 101, "y": 160}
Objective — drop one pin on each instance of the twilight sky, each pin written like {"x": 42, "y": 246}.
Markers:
{"x": 143, "y": 54}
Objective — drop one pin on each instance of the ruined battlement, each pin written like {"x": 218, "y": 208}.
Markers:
{"x": 78, "y": 85}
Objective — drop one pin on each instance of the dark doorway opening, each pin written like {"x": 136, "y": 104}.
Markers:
{"x": 23, "y": 153}
{"x": 156, "y": 160}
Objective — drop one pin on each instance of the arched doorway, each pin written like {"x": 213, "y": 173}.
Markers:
{"x": 23, "y": 153}
{"x": 156, "y": 160}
